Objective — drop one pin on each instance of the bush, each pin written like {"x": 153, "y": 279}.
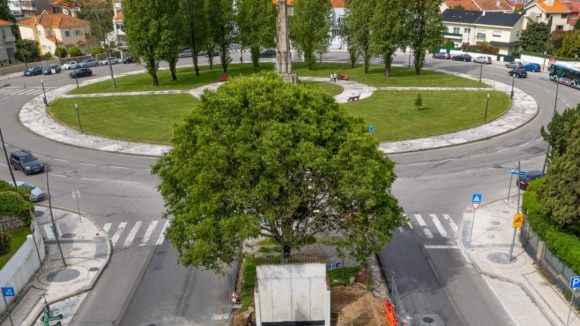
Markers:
{"x": 46, "y": 56}
{"x": 60, "y": 52}
{"x": 480, "y": 48}
{"x": 12, "y": 204}
{"x": 4, "y": 243}
{"x": 97, "y": 50}
{"x": 516, "y": 54}
{"x": 74, "y": 52}
{"x": 5, "y": 186}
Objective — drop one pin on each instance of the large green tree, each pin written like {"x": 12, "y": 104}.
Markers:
{"x": 257, "y": 23}
{"x": 27, "y": 51}
{"x": 220, "y": 23}
{"x": 171, "y": 35}
{"x": 388, "y": 30}
{"x": 309, "y": 28}
{"x": 347, "y": 39}
{"x": 358, "y": 21}
{"x": 425, "y": 26}
{"x": 195, "y": 28}
{"x": 570, "y": 46}
{"x": 535, "y": 37}
{"x": 262, "y": 157}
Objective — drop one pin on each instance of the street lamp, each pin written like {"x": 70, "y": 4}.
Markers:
{"x": 486, "y": 105}
{"x": 513, "y": 81}
{"x": 76, "y": 79}
{"x": 544, "y": 64}
{"x": 79, "y": 118}
{"x": 480, "y": 71}
{"x": 7, "y": 160}
{"x": 44, "y": 92}
{"x": 553, "y": 114}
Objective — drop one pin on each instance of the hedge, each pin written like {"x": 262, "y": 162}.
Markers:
{"x": 5, "y": 186}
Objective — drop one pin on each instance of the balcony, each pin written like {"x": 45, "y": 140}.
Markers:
{"x": 453, "y": 36}
{"x": 29, "y": 8}
{"x": 10, "y": 38}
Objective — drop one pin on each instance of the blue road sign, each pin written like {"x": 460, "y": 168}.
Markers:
{"x": 515, "y": 172}
{"x": 334, "y": 266}
{"x": 372, "y": 128}
{"x": 8, "y": 291}
{"x": 476, "y": 199}
{"x": 575, "y": 282}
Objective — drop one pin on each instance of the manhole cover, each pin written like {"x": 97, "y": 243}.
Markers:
{"x": 68, "y": 235}
{"x": 497, "y": 166}
{"x": 534, "y": 150}
{"x": 64, "y": 275}
{"x": 93, "y": 269}
{"x": 500, "y": 258}
{"x": 428, "y": 320}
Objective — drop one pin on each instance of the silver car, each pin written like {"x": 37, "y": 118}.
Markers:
{"x": 514, "y": 65}
{"x": 111, "y": 60}
{"x": 483, "y": 59}
{"x": 89, "y": 63}
{"x": 36, "y": 194}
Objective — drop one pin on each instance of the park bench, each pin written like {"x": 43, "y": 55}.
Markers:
{"x": 223, "y": 78}
{"x": 354, "y": 97}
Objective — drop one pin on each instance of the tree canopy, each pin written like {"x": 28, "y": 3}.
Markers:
{"x": 535, "y": 37}
{"x": 388, "y": 30}
{"x": 220, "y": 23}
{"x": 263, "y": 157}
{"x": 195, "y": 27}
{"x": 359, "y": 25}
{"x": 7, "y": 15}
{"x": 309, "y": 27}
{"x": 27, "y": 51}
{"x": 257, "y": 23}
{"x": 426, "y": 29}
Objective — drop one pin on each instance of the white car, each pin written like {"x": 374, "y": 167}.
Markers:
{"x": 112, "y": 60}
{"x": 36, "y": 194}
{"x": 483, "y": 59}
{"x": 70, "y": 65}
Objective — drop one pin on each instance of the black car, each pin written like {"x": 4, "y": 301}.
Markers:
{"x": 520, "y": 73}
{"x": 268, "y": 54}
{"x": 461, "y": 57}
{"x": 33, "y": 71}
{"x": 48, "y": 69}
{"x": 128, "y": 60}
{"x": 441, "y": 55}
{"x": 23, "y": 160}
{"x": 523, "y": 182}
{"x": 81, "y": 72}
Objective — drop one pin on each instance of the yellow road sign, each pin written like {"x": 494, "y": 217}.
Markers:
{"x": 518, "y": 220}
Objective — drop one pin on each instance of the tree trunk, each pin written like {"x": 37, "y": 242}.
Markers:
{"x": 255, "y": 54}
{"x": 111, "y": 71}
{"x": 367, "y": 61}
{"x": 388, "y": 59}
{"x": 155, "y": 80}
{"x": 194, "y": 53}
{"x": 172, "y": 68}
{"x": 352, "y": 53}
{"x": 224, "y": 58}
{"x": 286, "y": 249}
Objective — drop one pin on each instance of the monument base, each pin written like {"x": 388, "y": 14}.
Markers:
{"x": 290, "y": 78}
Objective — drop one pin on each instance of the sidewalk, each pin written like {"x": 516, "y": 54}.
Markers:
{"x": 525, "y": 294}
{"x": 86, "y": 249}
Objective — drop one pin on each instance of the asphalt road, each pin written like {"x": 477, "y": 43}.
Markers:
{"x": 142, "y": 285}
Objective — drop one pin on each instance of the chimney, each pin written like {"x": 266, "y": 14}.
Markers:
{"x": 483, "y": 13}
{"x": 550, "y": 3}
{"x": 498, "y": 4}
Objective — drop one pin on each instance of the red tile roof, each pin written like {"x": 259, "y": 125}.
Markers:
{"x": 466, "y": 4}
{"x": 53, "y": 39}
{"x": 119, "y": 16}
{"x": 60, "y": 3}
{"x": 54, "y": 20}
{"x": 493, "y": 5}
{"x": 557, "y": 7}
{"x": 333, "y": 3}
{"x": 4, "y": 22}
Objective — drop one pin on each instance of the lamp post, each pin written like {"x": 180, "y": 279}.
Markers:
{"x": 480, "y": 71}
{"x": 7, "y": 160}
{"x": 553, "y": 114}
{"x": 76, "y": 79}
{"x": 513, "y": 81}
{"x": 544, "y": 64}
{"x": 55, "y": 230}
{"x": 486, "y": 105}
{"x": 79, "y": 118}
{"x": 44, "y": 93}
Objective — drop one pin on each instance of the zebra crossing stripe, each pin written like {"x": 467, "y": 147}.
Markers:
{"x": 162, "y": 236}
{"x": 439, "y": 226}
{"x": 148, "y": 233}
{"x": 423, "y": 226}
{"x": 118, "y": 233}
{"x": 450, "y": 222}
{"x": 132, "y": 234}
{"x": 107, "y": 227}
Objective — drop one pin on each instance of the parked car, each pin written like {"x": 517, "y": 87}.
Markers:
{"x": 441, "y": 55}
{"x": 33, "y": 71}
{"x": 514, "y": 65}
{"x": 268, "y": 54}
{"x": 128, "y": 60}
{"x": 111, "y": 60}
{"x": 23, "y": 160}
{"x": 202, "y": 54}
{"x": 186, "y": 54}
{"x": 81, "y": 72}
{"x": 70, "y": 65}
{"x": 461, "y": 57}
{"x": 532, "y": 67}
{"x": 48, "y": 69}
{"x": 523, "y": 182}
{"x": 520, "y": 73}
{"x": 216, "y": 53}
{"x": 483, "y": 59}
{"x": 36, "y": 194}
{"x": 88, "y": 63}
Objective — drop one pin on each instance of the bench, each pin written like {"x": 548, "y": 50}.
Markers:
{"x": 342, "y": 77}
{"x": 354, "y": 97}
{"x": 223, "y": 78}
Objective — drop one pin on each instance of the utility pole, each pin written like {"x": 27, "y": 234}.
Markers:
{"x": 7, "y": 160}
{"x": 52, "y": 218}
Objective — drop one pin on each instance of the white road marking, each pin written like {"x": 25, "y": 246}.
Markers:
{"x": 450, "y": 222}
{"x": 90, "y": 179}
{"x": 58, "y": 230}
{"x": 58, "y": 175}
{"x": 162, "y": 236}
{"x": 400, "y": 228}
{"x": 118, "y": 167}
{"x": 416, "y": 164}
{"x": 502, "y": 150}
{"x": 439, "y": 226}
{"x": 89, "y": 164}
{"x": 3, "y": 164}
{"x": 107, "y": 227}
{"x": 476, "y": 155}
{"x": 128, "y": 182}
{"x": 148, "y": 233}
{"x": 522, "y": 145}
{"x": 409, "y": 224}
{"x": 132, "y": 234}
{"x": 441, "y": 247}
{"x": 117, "y": 234}
{"x": 58, "y": 159}
{"x": 423, "y": 226}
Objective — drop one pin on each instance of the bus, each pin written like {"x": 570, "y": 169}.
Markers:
{"x": 565, "y": 75}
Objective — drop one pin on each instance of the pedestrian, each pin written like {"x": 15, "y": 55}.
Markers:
{"x": 335, "y": 77}
{"x": 331, "y": 78}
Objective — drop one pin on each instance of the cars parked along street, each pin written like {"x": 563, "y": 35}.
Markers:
{"x": 483, "y": 59}
{"x": 186, "y": 54}
{"x": 88, "y": 63}
{"x": 48, "y": 69}
{"x": 268, "y": 54}
{"x": 33, "y": 71}
{"x": 441, "y": 55}
{"x": 520, "y": 73}
{"x": 128, "y": 60}
{"x": 461, "y": 57}
{"x": 532, "y": 67}
{"x": 36, "y": 193}
{"x": 23, "y": 160}
{"x": 81, "y": 72}
{"x": 514, "y": 65}
{"x": 523, "y": 182}
{"x": 70, "y": 65}
{"x": 111, "y": 60}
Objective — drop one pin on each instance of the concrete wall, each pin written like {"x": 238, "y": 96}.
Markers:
{"x": 22, "y": 266}
{"x": 292, "y": 293}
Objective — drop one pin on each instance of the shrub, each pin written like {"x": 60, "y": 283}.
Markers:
{"x": 12, "y": 204}
{"x": 4, "y": 243}
{"x": 97, "y": 50}
{"x": 516, "y": 54}
{"x": 60, "y": 52}
{"x": 5, "y": 186}
{"x": 480, "y": 48}
{"x": 46, "y": 56}
{"x": 74, "y": 52}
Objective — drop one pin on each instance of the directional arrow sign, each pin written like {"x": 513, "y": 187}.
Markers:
{"x": 476, "y": 201}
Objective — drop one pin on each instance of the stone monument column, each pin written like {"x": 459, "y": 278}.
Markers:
{"x": 283, "y": 53}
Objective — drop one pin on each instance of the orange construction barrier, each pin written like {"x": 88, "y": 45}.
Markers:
{"x": 235, "y": 297}
{"x": 391, "y": 316}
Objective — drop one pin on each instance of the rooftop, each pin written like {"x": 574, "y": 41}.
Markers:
{"x": 54, "y": 20}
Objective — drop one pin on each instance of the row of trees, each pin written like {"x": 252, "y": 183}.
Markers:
{"x": 537, "y": 38}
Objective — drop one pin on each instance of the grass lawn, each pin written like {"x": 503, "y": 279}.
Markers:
{"x": 395, "y": 116}
{"x": 335, "y": 275}
{"x": 332, "y": 89}
{"x": 146, "y": 118}
{"x": 17, "y": 238}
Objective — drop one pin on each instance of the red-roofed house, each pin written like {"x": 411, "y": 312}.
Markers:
{"x": 479, "y": 5}
{"x": 574, "y": 7}
{"x": 119, "y": 37}
{"x": 52, "y": 30}
{"x": 63, "y": 7}
{"x": 7, "y": 47}
{"x": 542, "y": 10}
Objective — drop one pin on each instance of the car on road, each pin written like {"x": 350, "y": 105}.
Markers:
{"x": 111, "y": 60}
{"x": 461, "y": 57}
{"x": 483, "y": 59}
{"x": 88, "y": 63}
{"x": 48, "y": 69}
{"x": 33, "y": 71}
{"x": 532, "y": 67}
{"x": 81, "y": 72}
{"x": 128, "y": 60}
{"x": 514, "y": 65}
{"x": 216, "y": 53}
{"x": 70, "y": 65}
{"x": 23, "y": 160}
{"x": 524, "y": 182}
{"x": 268, "y": 54}
{"x": 36, "y": 193}
{"x": 186, "y": 54}
{"x": 441, "y": 55}
{"x": 520, "y": 73}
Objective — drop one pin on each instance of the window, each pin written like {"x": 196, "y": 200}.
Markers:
{"x": 3, "y": 34}
{"x": 481, "y": 34}
{"x": 518, "y": 34}
{"x": 456, "y": 30}
{"x": 78, "y": 32}
{"x": 39, "y": 33}
{"x": 67, "y": 33}
{"x": 496, "y": 33}
{"x": 48, "y": 33}
{"x": 559, "y": 27}
{"x": 574, "y": 16}
{"x": 44, "y": 47}
{"x": 564, "y": 16}
{"x": 467, "y": 30}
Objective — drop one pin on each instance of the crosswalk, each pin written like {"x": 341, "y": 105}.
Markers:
{"x": 20, "y": 91}
{"x": 127, "y": 234}
{"x": 432, "y": 226}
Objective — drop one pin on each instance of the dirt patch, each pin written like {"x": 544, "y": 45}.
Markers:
{"x": 357, "y": 306}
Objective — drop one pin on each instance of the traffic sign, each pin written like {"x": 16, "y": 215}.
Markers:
{"x": 334, "y": 266}
{"x": 76, "y": 194}
{"x": 476, "y": 200}
{"x": 574, "y": 282}
{"x": 518, "y": 221}
{"x": 372, "y": 128}
{"x": 515, "y": 172}
{"x": 8, "y": 291}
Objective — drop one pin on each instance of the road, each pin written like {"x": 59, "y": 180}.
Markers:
{"x": 143, "y": 285}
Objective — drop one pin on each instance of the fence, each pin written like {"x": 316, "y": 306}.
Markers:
{"x": 395, "y": 299}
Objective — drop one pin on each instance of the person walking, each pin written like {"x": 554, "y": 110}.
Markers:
{"x": 331, "y": 78}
